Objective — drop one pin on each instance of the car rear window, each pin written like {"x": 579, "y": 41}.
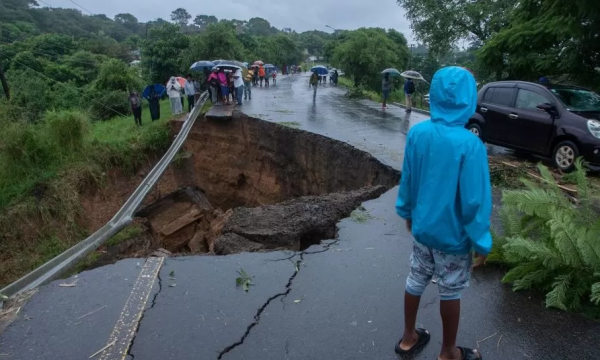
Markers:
{"x": 501, "y": 96}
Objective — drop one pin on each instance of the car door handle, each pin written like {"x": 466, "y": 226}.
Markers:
{"x": 513, "y": 116}
{"x": 483, "y": 110}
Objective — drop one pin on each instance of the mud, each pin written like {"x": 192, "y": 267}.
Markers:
{"x": 252, "y": 185}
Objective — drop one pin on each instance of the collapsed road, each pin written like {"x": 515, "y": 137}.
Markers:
{"x": 337, "y": 299}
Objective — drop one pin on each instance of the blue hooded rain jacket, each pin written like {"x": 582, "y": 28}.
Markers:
{"x": 445, "y": 185}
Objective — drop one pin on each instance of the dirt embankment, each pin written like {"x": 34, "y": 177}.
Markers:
{"x": 256, "y": 185}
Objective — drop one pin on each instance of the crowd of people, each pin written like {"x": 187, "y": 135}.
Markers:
{"x": 225, "y": 84}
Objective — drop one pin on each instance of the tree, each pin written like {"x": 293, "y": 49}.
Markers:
{"x": 161, "y": 52}
{"x": 202, "y": 21}
{"x": 440, "y": 24}
{"x": 218, "y": 41}
{"x": 115, "y": 75}
{"x": 557, "y": 38}
{"x": 259, "y": 26}
{"x": 364, "y": 53}
{"x": 180, "y": 16}
{"x": 126, "y": 19}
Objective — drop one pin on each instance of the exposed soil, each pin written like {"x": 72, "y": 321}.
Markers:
{"x": 252, "y": 185}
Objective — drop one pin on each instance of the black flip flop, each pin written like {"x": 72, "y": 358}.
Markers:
{"x": 470, "y": 354}
{"x": 423, "y": 340}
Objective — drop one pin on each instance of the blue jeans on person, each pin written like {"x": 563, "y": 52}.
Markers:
{"x": 247, "y": 90}
{"x": 239, "y": 92}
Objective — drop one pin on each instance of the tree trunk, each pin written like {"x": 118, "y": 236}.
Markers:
{"x": 4, "y": 83}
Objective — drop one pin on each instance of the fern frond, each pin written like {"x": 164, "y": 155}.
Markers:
{"x": 535, "y": 202}
{"x": 560, "y": 289}
{"x": 519, "y": 249}
{"x": 530, "y": 279}
{"x": 564, "y": 233}
{"x": 588, "y": 244}
{"x": 518, "y": 272}
{"x": 511, "y": 221}
{"x": 595, "y": 296}
{"x": 496, "y": 255}
{"x": 549, "y": 181}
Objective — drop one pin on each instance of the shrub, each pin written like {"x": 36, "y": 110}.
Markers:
{"x": 552, "y": 242}
{"x": 66, "y": 131}
{"x": 108, "y": 104}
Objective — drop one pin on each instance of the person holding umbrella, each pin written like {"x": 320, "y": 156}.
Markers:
{"x": 224, "y": 86}
{"x": 409, "y": 90}
{"x": 314, "y": 82}
{"x": 386, "y": 87}
{"x": 213, "y": 85}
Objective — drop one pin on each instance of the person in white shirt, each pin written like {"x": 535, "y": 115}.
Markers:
{"x": 238, "y": 83}
{"x": 174, "y": 92}
{"x": 190, "y": 91}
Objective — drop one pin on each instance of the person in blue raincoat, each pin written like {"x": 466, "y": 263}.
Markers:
{"x": 445, "y": 197}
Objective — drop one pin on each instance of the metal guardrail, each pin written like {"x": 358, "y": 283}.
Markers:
{"x": 65, "y": 261}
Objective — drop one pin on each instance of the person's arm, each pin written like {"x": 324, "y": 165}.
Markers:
{"x": 404, "y": 201}
{"x": 476, "y": 199}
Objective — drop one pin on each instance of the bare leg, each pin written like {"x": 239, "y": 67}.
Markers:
{"x": 450, "y": 312}
{"x": 411, "y": 307}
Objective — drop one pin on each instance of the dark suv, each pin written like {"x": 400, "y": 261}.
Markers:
{"x": 556, "y": 121}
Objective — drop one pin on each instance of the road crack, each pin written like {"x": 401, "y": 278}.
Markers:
{"x": 288, "y": 288}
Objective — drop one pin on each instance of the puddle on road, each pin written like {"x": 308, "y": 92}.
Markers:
{"x": 254, "y": 185}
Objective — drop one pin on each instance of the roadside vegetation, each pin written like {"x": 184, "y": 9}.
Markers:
{"x": 550, "y": 239}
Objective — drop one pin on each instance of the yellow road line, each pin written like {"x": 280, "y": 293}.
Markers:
{"x": 126, "y": 326}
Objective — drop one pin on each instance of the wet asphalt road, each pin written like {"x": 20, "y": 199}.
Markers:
{"x": 339, "y": 300}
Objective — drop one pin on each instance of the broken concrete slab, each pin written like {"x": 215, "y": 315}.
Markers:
{"x": 206, "y": 312}
{"x": 220, "y": 112}
{"x": 231, "y": 243}
{"x": 297, "y": 223}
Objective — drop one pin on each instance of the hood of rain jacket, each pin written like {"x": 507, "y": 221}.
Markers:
{"x": 445, "y": 187}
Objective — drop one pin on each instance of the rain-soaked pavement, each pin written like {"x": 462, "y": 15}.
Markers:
{"x": 339, "y": 300}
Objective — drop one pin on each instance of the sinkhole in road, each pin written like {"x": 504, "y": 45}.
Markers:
{"x": 246, "y": 184}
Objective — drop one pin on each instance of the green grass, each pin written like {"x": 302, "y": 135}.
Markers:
{"x": 397, "y": 96}
{"x": 129, "y": 232}
{"x": 46, "y": 166}
{"x": 31, "y": 155}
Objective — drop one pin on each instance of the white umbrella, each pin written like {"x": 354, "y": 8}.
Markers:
{"x": 411, "y": 74}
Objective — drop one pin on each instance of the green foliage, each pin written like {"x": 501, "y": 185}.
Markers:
{"x": 116, "y": 100}
{"x": 441, "y": 24}
{"x": 160, "y": 52}
{"x": 552, "y": 244}
{"x": 115, "y": 75}
{"x": 365, "y": 52}
{"x": 244, "y": 280}
{"x": 556, "y": 38}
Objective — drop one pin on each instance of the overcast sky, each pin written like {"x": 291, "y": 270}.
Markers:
{"x": 300, "y": 15}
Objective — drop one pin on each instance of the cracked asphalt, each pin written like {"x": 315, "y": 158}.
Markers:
{"x": 338, "y": 300}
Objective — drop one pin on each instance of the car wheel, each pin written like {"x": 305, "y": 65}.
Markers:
{"x": 475, "y": 129}
{"x": 565, "y": 154}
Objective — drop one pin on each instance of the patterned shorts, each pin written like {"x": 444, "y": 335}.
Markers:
{"x": 452, "y": 272}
